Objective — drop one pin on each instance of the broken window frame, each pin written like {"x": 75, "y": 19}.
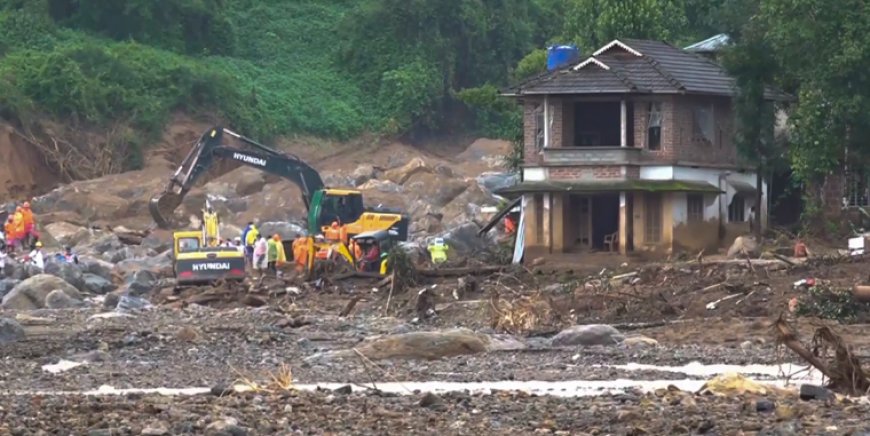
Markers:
{"x": 654, "y": 126}
{"x": 695, "y": 208}
{"x": 539, "y": 125}
{"x": 737, "y": 214}
{"x": 704, "y": 123}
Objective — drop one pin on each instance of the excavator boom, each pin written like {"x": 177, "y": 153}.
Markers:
{"x": 208, "y": 148}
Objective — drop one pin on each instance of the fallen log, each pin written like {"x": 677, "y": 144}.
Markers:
{"x": 452, "y": 272}
{"x": 844, "y": 372}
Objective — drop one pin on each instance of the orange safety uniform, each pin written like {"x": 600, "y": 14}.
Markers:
{"x": 333, "y": 233}
{"x": 18, "y": 224}
{"x": 300, "y": 252}
{"x": 509, "y": 225}
{"x": 9, "y": 229}
{"x": 27, "y": 216}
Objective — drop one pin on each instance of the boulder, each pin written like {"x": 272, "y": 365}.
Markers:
{"x": 69, "y": 272}
{"x": 10, "y": 331}
{"x": 493, "y": 181}
{"x": 435, "y": 189}
{"x": 237, "y": 183}
{"x": 67, "y": 234}
{"x": 101, "y": 244}
{"x": 466, "y": 206}
{"x": 362, "y": 174}
{"x": 31, "y": 293}
{"x": 743, "y": 246}
{"x": 587, "y": 335}
{"x": 385, "y": 186}
{"x": 19, "y": 271}
{"x": 463, "y": 240}
{"x": 6, "y": 285}
{"x": 287, "y": 231}
{"x": 97, "y": 284}
{"x": 402, "y": 174}
{"x": 97, "y": 267}
{"x": 141, "y": 282}
{"x": 158, "y": 240}
{"x": 58, "y": 299}
{"x": 424, "y": 345}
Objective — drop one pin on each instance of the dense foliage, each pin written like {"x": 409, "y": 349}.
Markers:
{"x": 340, "y": 67}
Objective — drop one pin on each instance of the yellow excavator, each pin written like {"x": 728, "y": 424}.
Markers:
{"x": 199, "y": 258}
{"x": 334, "y": 215}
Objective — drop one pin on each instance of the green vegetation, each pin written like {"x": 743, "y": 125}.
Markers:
{"x": 338, "y": 68}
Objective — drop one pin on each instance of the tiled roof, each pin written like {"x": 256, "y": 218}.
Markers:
{"x": 638, "y": 66}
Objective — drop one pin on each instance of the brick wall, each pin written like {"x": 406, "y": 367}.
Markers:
{"x": 679, "y": 141}
{"x": 530, "y": 154}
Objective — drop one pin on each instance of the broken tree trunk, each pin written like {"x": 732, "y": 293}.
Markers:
{"x": 844, "y": 371}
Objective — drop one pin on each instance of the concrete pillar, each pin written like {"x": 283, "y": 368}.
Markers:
{"x": 548, "y": 220}
{"x": 558, "y": 214}
{"x": 531, "y": 224}
{"x": 623, "y": 124}
{"x": 624, "y": 222}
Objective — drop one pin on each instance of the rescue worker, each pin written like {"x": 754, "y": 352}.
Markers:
{"x": 9, "y": 228}
{"x": 282, "y": 256}
{"x": 333, "y": 233}
{"x": 69, "y": 257}
{"x": 36, "y": 257}
{"x": 438, "y": 250}
{"x": 300, "y": 252}
{"x": 237, "y": 243}
{"x": 260, "y": 248}
{"x": 251, "y": 238}
{"x": 27, "y": 216}
{"x": 356, "y": 250}
{"x": 372, "y": 258}
{"x": 18, "y": 226}
{"x": 249, "y": 248}
{"x": 510, "y": 225}
{"x": 272, "y": 256}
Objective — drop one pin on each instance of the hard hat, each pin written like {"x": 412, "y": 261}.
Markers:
{"x": 39, "y": 243}
{"x": 238, "y": 238}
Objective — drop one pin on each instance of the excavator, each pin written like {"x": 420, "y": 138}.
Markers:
{"x": 199, "y": 258}
{"x": 334, "y": 215}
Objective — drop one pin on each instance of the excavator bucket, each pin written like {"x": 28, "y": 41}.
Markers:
{"x": 162, "y": 206}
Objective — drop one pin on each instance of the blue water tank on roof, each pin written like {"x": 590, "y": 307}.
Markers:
{"x": 560, "y": 55}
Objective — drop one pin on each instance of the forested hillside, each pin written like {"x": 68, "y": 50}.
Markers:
{"x": 337, "y": 68}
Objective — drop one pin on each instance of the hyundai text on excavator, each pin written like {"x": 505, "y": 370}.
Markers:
{"x": 325, "y": 206}
{"x": 199, "y": 258}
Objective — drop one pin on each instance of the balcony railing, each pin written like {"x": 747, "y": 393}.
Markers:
{"x": 598, "y": 155}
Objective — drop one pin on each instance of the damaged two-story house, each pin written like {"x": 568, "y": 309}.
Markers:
{"x": 632, "y": 150}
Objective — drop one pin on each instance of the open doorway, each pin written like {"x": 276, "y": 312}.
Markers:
{"x": 605, "y": 218}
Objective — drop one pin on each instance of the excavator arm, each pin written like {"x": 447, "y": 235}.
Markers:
{"x": 210, "y": 147}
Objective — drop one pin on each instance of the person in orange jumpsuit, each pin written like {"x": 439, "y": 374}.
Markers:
{"x": 9, "y": 229}
{"x": 300, "y": 253}
{"x": 27, "y": 215}
{"x": 18, "y": 226}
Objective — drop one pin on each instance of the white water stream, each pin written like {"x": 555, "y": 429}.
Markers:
{"x": 775, "y": 375}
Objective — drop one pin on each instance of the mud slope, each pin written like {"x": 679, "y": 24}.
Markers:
{"x": 438, "y": 185}
{"x": 23, "y": 172}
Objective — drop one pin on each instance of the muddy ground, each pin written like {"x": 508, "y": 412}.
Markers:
{"x": 176, "y": 344}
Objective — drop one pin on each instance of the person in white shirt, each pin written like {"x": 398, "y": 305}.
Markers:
{"x": 3, "y": 257}
{"x": 36, "y": 256}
